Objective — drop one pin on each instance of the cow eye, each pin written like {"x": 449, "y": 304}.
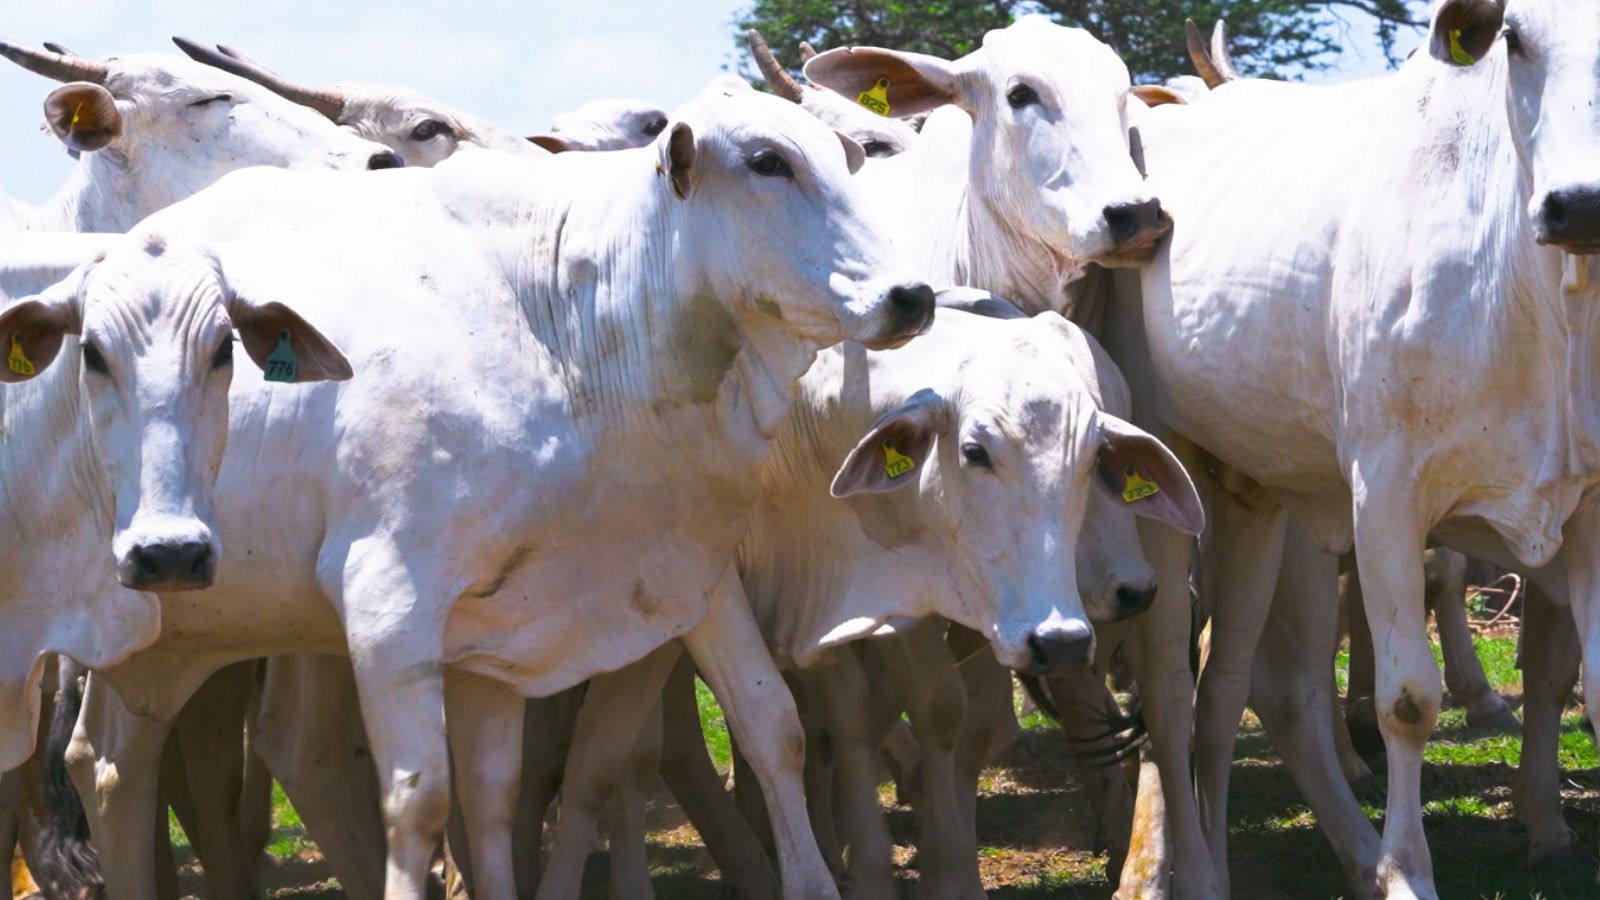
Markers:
{"x": 224, "y": 357}
{"x": 975, "y": 456}
{"x": 427, "y": 129}
{"x": 93, "y": 361}
{"x": 655, "y": 126}
{"x": 877, "y": 149}
{"x": 1021, "y": 96}
{"x": 207, "y": 101}
{"x": 771, "y": 165}
{"x": 1513, "y": 41}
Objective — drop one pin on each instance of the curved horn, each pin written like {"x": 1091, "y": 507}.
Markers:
{"x": 55, "y": 65}
{"x": 1197, "y": 55}
{"x": 54, "y": 47}
{"x": 1219, "y": 52}
{"x": 780, "y": 81}
{"x": 327, "y": 101}
{"x": 806, "y": 52}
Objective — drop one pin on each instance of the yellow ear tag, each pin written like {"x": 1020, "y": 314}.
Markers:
{"x": 1136, "y": 488}
{"x": 76, "y": 111}
{"x": 896, "y": 463}
{"x": 876, "y": 98}
{"x": 18, "y": 361}
{"x": 1458, "y": 52}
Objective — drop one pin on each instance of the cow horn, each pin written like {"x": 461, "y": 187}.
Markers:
{"x": 780, "y": 81}
{"x": 1202, "y": 60}
{"x": 54, "y": 47}
{"x": 327, "y": 101}
{"x": 806, "y": 52}
{"x": 55, "y": 65}
{"x": 1219, "y": 52}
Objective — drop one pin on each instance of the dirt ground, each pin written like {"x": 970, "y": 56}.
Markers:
{"x": 1035, "y": 840}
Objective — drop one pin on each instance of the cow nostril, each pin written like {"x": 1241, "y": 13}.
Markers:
{"x": 146, "y": 565}
{"x": 202, "y": 561}
{"x": 911, "y": 306}
{"x": 385, "y": 159}
{"x": 1123, "y": 221}
{"x": 1555, "y": 212}
{"x": 1039, "y": 652}
{"x": 1134, "y": 600}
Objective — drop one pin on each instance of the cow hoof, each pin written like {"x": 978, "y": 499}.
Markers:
{"x": 1495, "y": 718}
{"x": 1563, "y": 860}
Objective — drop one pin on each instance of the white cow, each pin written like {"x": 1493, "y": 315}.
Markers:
{"x": 422, "y": 130}
{"x": 504, "y": 525}
{"x": 613, "y": 124}
{"x": 879, "y": 135}
{"x": 1292, "y": 329}
{"x": 149, "y": 130}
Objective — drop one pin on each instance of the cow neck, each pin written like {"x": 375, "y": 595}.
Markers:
{"x": 994, "y": 256}
{"x": 49, "y": 481}
{"x": 88, "y": 201}
{"x": 643, "y": 342}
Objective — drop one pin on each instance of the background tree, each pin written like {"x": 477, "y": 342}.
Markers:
{"x": 1282, "y": 38}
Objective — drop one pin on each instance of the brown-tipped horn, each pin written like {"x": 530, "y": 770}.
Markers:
{"x": 1202, "y": 60}
{"x": 327, "y": 101}
{"x": 58, "y": 66}
{"x": 806, "y": 52}
{"x": 1220, "y": 57}
{"x": 780, "y": 81}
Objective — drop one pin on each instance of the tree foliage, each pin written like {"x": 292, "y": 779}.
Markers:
{"x": 1282, "y": 38}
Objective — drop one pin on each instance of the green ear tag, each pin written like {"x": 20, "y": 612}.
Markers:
{"x": 876, "y": 98}
{"x": 18, "y": 361}
{"x": 1458, "y": 52}
{"x": 1136, "y": 488}
{"x": 896, "y": 463}
{"x": 281, "y": 364}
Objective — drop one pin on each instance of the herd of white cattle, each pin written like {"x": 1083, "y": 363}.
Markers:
{"x": 849, "y": 399}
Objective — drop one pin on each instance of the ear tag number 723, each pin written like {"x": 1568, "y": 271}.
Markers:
{"x": 896, "y": 463}
{"x": 1135, "y": 487}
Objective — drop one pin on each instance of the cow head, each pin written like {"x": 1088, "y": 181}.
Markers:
{"x": 1552, "y": 53}
{"x": 152, "y": 362}
{"x": 772, "y": 220}
{"x": 604, "y": 125}
{"x": 1000, "y": 462}
{"x": 1051, "y": 156}
{"x": 163, "y": 127}
{"x": 879, "y": 136}
{"x": 423, "y": 131}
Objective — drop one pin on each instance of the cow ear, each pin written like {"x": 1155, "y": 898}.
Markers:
{"x": 896, "y": 448}
{"x": 550, "y": 142}
{"x": 83, "y": 116}
{"x": 285, "y": 346}
{"x": 1140, "y": 471}
{"x": 1464, "y": 30}
{"x": 1156, "y": 95}
{"x": 31, "y": 331}
{"x": 888, "y": 82}
{"x": 679, "y": 163}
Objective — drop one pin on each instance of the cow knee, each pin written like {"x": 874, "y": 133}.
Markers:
{"x": 419, "y": 804}
{"x": 1411, "y": 711}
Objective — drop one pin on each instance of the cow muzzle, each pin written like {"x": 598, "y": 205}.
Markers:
{"x": 908, "y": 312}
{"x": 1060, "y": 649}
{"x": 169, "y": 565}
{"x": 1136, "y": 229}
{"x": 1570, "y": 220}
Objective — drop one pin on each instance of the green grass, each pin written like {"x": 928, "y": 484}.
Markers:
{"x": 714, "y": 726}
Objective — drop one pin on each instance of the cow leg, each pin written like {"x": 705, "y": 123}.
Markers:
{"x": 308, "y": 733}
{"x": 209, "y": 732}
{"x": 1085, "y": 706}
{"x": 1292, "y": 688}
{"x": 1245, "y": 551}
{"x": 629, "y": 866}
{"x": 255, "y": 797}
{"x": 1360, "y": 714}
{"x": 841, "y": 689}
{"x": 947, "y": 852}
{"x": 1463, "y": 670}
{"x": 114, "y": 759}
{"x": 484, "y": 726}
{"x": 1388, "y": 544}
{"x": 747, "y": 796}
{"x": 988, "y": 684}
{"x": 10, "y": 818}
{"x": 692, "y": 777}
{"x": 1551, "y": 656}
{"x": 1158, "y": 650}
{"x": 810, "y": 689}
{"x": 546, "y": 741}
{"x": 732, "y": 657}
{"x": 1145, "y": 872}
{"x": 609, "y": 724}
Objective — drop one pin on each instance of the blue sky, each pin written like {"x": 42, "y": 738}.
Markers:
{"x": 516, "y": 62}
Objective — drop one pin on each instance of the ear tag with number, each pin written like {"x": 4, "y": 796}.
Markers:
{"x": 1458, "y": 52}
{"x": 18, "y": 361}
{"x": 876, "y": 98}
{"x": 1136, "y": 488}
{"x": 281, "y": 364}
{"x": 896, "y": 463}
